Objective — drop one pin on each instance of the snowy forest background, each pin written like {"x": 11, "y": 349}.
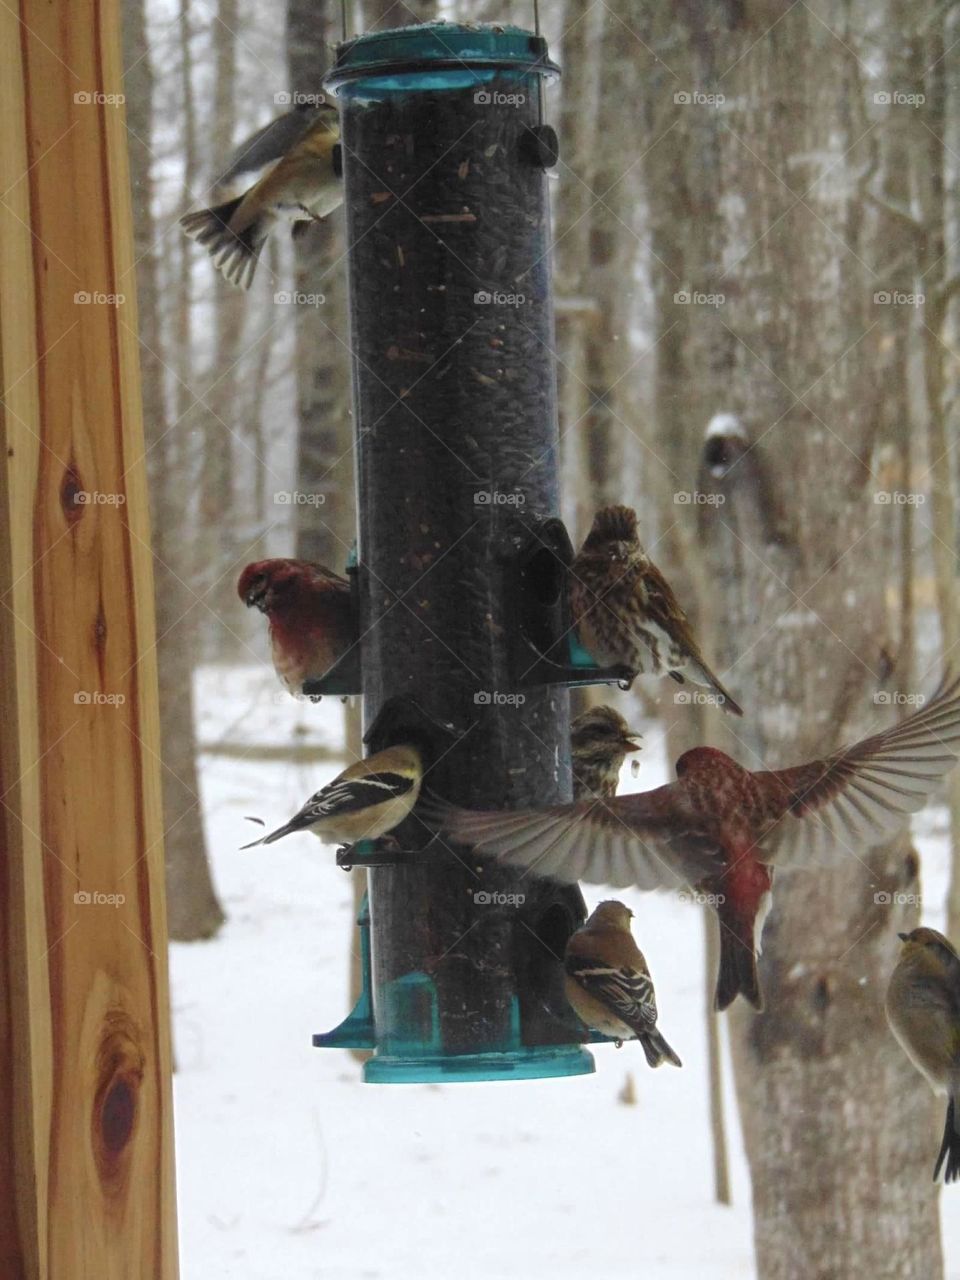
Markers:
{"x": 757, "y": 259}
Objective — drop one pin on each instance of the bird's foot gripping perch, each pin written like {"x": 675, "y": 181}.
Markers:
{"x": 385, "y": 852}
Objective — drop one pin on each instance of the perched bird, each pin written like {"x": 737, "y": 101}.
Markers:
{"x": 600, "y": 741}
{"x": 625, "y": 610}
{"x": 719, "y": 826}
{"x": 363, "y": 803}
{"x": 311, "y": 618}
{"x": 300, "y": 187}
{"x": 923, "y": 1009}
{"x": 608, "y": 983}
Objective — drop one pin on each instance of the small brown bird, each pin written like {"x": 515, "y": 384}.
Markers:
{"x": 719, "y": 827}
{"x": 625, "y": 610}
{"x": 608, "y": 983}
{"x": 600, "y": 741}
{"x": 300, "y": 187}
{"x": 923, "y": 1009}
{"x": 363, "y": 803}
{"x": 310, "y": 613}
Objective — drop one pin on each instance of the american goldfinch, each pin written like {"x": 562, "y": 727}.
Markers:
{"x": 720, "y": 826}
{"x": 302, "y": 186}
{"x": 363, "y": 803}
{"x": 625, "y": 610}
{"x": 608, "y": 983}
{"x": 923, "y": 1009}
{"x": 600, "y": 741}
{"x": 310, "y": 615}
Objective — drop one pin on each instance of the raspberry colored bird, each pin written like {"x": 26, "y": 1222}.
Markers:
{"x": 719, "y": 826}
{"x": 600, "y": 741}
{"x": 625, "y": 610}
{"x": 311, "y": 618}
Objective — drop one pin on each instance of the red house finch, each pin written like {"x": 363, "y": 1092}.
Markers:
{"x": 923, "y": 1009}
{"x": 301, "y": 187}
{"x": 608, "y": 983}
{"x": 311, "y": 619}
{"x": 599, "y": 742}
{"x": 363, "y": 803}
{"x": 625, "y": 610}
{"x": 719, "y": 826}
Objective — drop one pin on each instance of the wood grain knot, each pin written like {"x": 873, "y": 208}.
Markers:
{"x": 70, "y": 487}
{"x": 120, "y": 1063}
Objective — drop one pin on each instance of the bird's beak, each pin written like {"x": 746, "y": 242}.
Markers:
{"x": 632, "y": 741}
{"x": 904, "y": 937}
{"x": 256, "y": 596}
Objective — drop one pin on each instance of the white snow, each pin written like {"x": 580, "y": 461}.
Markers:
{"x": 727, "y": 425}
{"x": 289, "y": 1168}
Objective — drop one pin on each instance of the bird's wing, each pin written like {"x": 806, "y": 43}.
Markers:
{"x": 663, "y": 607}
{"x": 625, "y": 991}
{"x": 349, "y": 795}
{"x": 647, "y": 840}
{"x": 852, "y": 799}
{"x": 266, "y": 146}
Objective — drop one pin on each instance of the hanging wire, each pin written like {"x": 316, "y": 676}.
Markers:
{"x": 343, "y": 20}
{"x": 536, "y": 31}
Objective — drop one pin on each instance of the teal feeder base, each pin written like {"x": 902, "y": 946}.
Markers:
{"x": 547, "y": 1062}
{"x": 415, "y": 1053}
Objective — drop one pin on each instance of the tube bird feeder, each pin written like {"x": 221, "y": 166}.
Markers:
{"x": 452, "y": 344}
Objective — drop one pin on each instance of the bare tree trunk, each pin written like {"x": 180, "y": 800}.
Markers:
{"x": 222, "y": 390}
{"x": 931, "y": 233}
{"x": 759, "y": 205}
{"x": 578, "y": 302}
{"x": 384, "y": 14}
{"x": 192, "y": 907}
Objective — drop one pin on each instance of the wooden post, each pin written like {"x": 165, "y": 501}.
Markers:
{"x": 86, "y": 1154}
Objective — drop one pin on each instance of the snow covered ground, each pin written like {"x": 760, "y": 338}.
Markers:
{"x": 289, "y": 1168}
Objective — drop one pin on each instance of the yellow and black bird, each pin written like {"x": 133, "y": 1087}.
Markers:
{"x": 923, "y": 1009}
{"x": 363, "y": 803}
{"x": 300, "y": 185}
{"x": 608, "y": 983}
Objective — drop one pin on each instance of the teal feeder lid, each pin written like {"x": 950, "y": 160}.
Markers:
{"x": 438, "y": 55}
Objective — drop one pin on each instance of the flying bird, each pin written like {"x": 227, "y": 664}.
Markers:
{"x": 923, "y": 1010}
{"x": 363, "y": 803}
{"x": 625, "y": 611}
{"x": 310, "y": 615}
{"x": 608, "y": 983}
{"x": 600, "y": 741}
{"x": 300, "y": 187}
{"x": 721, "y": 828}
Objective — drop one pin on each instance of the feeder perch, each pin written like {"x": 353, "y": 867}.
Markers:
{"x": 357, "y": 1029}
{"x": 451, "y": 316}
{"x": 544, "y": 648}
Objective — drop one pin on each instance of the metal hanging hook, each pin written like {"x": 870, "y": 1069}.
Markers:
{"x": 536, "y": 32}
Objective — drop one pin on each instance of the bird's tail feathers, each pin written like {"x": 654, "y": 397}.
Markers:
{"x": 738, "y": 972}
{"x": 657, "y": 1050}
{"x": 287, "y": 829}
{"x": 234, "y": 254}
{"x": 950, "y": 1146}
{"x": 701, "y": 674}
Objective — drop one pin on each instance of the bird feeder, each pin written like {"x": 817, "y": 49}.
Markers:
{"x": 451, "y": 313}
